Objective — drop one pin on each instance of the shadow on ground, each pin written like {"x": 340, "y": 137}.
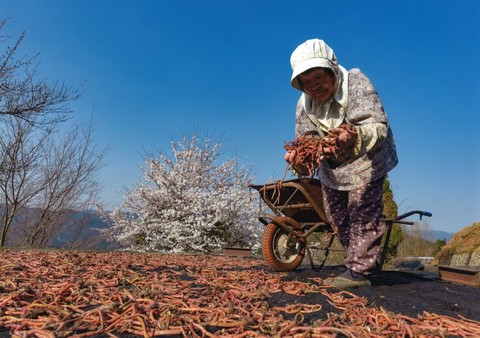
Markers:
{"x": 407, "y": 292}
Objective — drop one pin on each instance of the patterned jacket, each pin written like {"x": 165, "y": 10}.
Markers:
{"x": 374, "y": 154}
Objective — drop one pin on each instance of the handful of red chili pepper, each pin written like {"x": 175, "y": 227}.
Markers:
{"x": 311, "y": 149}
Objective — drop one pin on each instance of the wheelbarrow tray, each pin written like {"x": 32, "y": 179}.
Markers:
{"x": 299, "y": 199}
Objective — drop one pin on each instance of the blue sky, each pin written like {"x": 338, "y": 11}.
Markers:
{"x": 155, "y": 70}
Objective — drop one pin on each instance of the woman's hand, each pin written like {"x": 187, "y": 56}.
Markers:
{"x": 290, "y": 156}
{"x": 343, "y": 137}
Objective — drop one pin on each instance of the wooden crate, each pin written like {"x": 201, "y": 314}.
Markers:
{"x": 468, "y": 275}
{"x": 239, "y": 252}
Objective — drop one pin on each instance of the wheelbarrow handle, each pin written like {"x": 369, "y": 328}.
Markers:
{"x": 426, "y": 213}
{"x": 410, "y": 213}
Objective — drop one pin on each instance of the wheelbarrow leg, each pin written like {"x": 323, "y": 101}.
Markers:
{"x": 327, "y": 250}
{"x": 325, "y": 256}
{"x": 389, "y": 225}
{"x": 309, "y": 255}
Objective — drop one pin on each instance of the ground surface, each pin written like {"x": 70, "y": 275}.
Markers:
{"x": 408, "y": 292}
{"x": 82, "y": 294}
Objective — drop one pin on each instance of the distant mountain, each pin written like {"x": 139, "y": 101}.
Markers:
{"x": 89, "y": 237}
{"x": 429, "y": 235}
{"x": 73, "y": 234}
{"x": 437, "y": 235}
{"x": 442, "y": 235}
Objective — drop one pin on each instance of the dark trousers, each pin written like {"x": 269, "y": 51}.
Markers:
{"x": 357, "y": 216}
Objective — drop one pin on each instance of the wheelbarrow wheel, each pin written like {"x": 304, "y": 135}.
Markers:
{"x": 281, "y": 250}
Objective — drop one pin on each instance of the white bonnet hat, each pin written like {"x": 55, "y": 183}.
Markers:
{"x": 311, "y": 54}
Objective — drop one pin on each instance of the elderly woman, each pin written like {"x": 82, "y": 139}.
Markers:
{"x": 345, "y": 105}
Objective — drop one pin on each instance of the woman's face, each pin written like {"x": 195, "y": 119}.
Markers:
{"x": 318, "y": 84}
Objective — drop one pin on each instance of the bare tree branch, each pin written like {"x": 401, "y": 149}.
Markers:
{"x": 26, "y": 95}
{"x": 43, "y": 175}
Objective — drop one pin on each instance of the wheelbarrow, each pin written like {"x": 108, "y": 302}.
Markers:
{"x": 298, "y": 212}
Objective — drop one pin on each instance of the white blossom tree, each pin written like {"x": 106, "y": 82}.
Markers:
{"x": 189, "y": 202}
